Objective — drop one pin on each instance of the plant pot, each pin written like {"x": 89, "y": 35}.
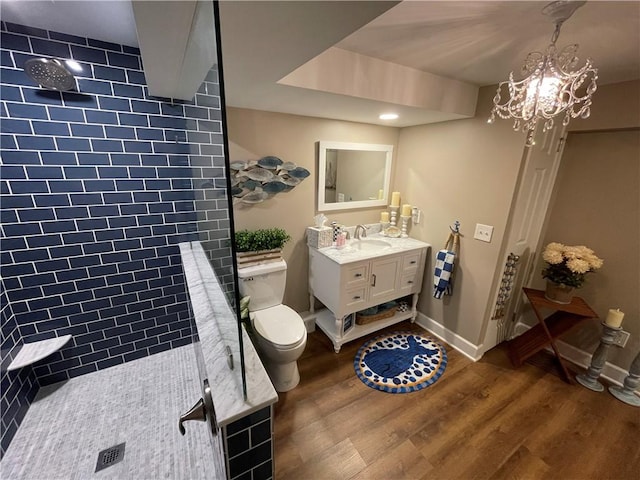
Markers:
{"x": 249, "y": 259}
{"x": 558, "y": 292}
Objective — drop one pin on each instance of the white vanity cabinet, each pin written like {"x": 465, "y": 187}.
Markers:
{"x": 348, "y": 280}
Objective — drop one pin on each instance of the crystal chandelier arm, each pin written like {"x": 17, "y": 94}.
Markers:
{"x": 551, "y": 85}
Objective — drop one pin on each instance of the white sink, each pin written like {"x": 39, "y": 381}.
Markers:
{"x": 369, "y": 244}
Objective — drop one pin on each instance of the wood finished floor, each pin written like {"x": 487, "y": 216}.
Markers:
{"x": 479, "y": 420}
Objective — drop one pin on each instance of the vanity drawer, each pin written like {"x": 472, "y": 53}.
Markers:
{"x": 353, "y": 298}
{"x": 355, "y": 275}
{"x": 411, "y": 261}
{"x": 408, "y": 282}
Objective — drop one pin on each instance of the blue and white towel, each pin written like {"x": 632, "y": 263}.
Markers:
{"x": 442, "y": 274}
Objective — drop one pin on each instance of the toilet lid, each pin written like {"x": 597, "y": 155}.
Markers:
{"x": 280, "y": 325}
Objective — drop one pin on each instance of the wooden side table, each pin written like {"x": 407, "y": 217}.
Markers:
{"x": 563, "y": 319}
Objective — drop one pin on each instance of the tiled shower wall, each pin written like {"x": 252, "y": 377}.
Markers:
{"x": 98, "y": 187}
{"x": 20, "y": 388}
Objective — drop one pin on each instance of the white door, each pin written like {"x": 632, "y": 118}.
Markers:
{"x": 524, "y": 230}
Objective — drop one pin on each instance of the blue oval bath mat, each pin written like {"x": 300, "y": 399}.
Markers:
{"x": 400, "y": 362}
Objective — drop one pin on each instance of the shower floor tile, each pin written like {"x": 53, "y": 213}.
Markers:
{"x": 138, "y": 402}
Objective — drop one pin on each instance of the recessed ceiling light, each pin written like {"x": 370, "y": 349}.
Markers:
{"x": 388, "y": 116}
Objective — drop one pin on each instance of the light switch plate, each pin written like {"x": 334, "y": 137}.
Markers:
{"x": 483, "y": 232}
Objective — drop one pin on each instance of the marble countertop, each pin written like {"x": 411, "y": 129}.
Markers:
{"x": 348, "y": 253}
{"x": 216, "y": 321}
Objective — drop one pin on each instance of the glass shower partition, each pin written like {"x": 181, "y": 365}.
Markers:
{"x": 209, "y": 225}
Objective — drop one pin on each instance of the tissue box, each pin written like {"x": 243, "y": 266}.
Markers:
{"x": 319, "y": 237}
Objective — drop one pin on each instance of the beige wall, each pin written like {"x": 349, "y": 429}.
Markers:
{"x": 598, "y": 204}
{"x": 462, "y": 170}
{"x": 254, "y": 134}
{"x": 614, "y": 106}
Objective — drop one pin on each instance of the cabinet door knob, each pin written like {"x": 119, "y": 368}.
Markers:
{"x": 357, "y": 297}
{"x": 358, "y": 275}
{"x": 410, "y": 281}
{"x": 413, "y": 262}
{"x": 373, "y": 277}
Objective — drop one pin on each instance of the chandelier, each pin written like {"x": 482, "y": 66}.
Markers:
{"x": 552, "y": 84}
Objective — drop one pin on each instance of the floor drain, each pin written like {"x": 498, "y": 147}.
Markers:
{"x": 110, "y": 456}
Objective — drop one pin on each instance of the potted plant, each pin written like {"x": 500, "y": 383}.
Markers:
{"x": 566, "y": 269}
{"x": 260, "y": 246}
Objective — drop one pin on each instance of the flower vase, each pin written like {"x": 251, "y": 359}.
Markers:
{"x": 558, "y": 292}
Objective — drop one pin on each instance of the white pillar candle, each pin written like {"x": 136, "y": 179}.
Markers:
{"x": 395, "y": 199}
{"x": 614, "y": 319}
{"x": 384, "y": 217}
{"x": 406, "y": 210}
{"x": 380, "y": 194}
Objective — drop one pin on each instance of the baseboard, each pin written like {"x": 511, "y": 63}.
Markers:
{"x": 610, "y": 372}
{"x": 462, "y": 345}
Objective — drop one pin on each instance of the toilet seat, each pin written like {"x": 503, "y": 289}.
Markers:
{"x": 280, "y": 325}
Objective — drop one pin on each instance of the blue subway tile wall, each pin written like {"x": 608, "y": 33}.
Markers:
{"x": 18, "y": 387}
{"x": 248, "y": 446}
{"x": 98, "y": 187}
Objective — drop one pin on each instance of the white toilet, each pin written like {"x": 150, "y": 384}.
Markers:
{"x": 280, "y": 331}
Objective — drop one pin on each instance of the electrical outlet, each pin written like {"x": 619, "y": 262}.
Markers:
{"x": 621, "y": 339}
{"x": 483, "y": 232}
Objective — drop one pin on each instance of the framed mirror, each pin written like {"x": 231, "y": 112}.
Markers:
{"x": 353, "y": 175}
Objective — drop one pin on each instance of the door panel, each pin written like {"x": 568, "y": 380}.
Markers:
{"x": 384, "y": 277}
{"x": 524, "y": 229}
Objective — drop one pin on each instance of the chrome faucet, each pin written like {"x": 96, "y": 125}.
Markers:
{"x": 360, "y": 228}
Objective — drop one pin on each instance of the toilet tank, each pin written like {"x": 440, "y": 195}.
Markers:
{"x": 263, "y": 283}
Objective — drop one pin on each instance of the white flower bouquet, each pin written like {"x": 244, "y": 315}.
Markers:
{"x": 568, "y": 265}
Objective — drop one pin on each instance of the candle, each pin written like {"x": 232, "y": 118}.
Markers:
{"x": 384, "y": 217}
{"x": 406, "y": 210}
{"x": 395, "y": 199}
{"x": 614, "y": 319}
{"x": 380, "y": 194}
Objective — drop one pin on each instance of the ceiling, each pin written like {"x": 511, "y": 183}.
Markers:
{"x": 354, "y": 60}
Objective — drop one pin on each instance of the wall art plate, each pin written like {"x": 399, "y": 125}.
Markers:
{"x": 274, "y": 187}
{"x": 238, "y": 165}
{"x": 254, "y": 197}
{"x": 259, "y": 174}
{"x": 299, "y": 172}
{"x": 291, "y": 181}
{"x": 270, "y": 162}
{"x": 288, "y": 166}
{"x": 252, "y": 184}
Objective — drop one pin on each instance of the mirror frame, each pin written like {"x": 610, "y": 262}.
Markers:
{"x": 323, "y": 146}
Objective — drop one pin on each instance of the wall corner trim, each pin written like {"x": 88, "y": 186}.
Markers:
{"x": 462, "y": 345}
